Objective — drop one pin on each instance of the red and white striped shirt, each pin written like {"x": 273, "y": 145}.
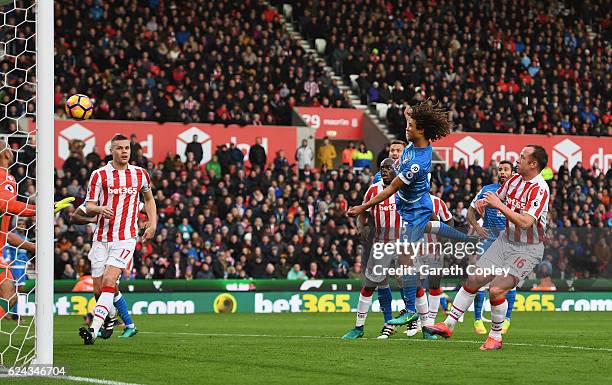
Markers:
{"x": 441, "y": 212}
{"x": 387, "y": 220}
{"x": 526, "y": 197}
{"x": 119, "y": 190}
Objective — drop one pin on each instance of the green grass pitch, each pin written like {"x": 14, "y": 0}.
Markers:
{"x": 541, "y": 348}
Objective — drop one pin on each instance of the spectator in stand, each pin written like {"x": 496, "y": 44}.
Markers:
{"x": 296, "y": 273}
{"x": 340, "y": 267}
{"x": 93, "y": 158}
{"x": 205, "y": 272}
{"x": 69, "y": 273}
{"x": 134, "y": 147}
{"x": 282, "y": 267}
{"x": 355, "y": 272}
{"x": 545, "y": 268}
{"x": 257, "y": 267}
{"x": 270, "y": 272}
{"x": 281, "y": 160}
{"x": 313, "y": 271}
{"x": 396, "y": 120}
{"x": 236, "y": 156}
{"x": 475, "y": 171}
{"x": 362, "y": 158}
{"x": 304, "y": 157}
{"x": 74, "y": 162}
{"x": 347, "y": 154}
{"x": 327, "y": 153}
{"x": 176, "y": 270}
{"x": 213, "y": 165}
{"x": 454, "y": 172}
{"x": 257, "y": 155}
{"x": 384, "y": 153}
{"x": 195, "y": 147}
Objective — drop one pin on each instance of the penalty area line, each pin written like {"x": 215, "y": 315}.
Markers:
{"x": 372, "y": 338}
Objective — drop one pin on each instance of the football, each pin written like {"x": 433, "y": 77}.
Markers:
{"x": 79, "y": 107}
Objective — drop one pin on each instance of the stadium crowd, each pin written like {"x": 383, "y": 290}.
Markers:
{"x": 227, "y": 220}
{"x": 518, "y": 67}
{"x": 199, "y": 61}
{"x": 498, "y": 66}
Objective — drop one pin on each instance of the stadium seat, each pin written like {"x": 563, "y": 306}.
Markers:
{"x": 320, "y": 45}
{"x": 287, "y": 10}
{"x": 354, "y": 78}
{"x": 381, "y": 110}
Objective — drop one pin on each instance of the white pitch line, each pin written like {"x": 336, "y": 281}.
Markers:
{"x": 73, "y": 378}
{"x": 392, "y": 339}
{"x": 365, "y": 338}
{"x": 93, "y": 380}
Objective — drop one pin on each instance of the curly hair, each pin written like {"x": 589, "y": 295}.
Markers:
{"x": 432, "y": 119}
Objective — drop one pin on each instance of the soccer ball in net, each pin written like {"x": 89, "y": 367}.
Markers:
{"x": 79, "y": 107}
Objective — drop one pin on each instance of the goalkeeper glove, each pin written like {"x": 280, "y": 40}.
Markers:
{"x": 64, "y": 203}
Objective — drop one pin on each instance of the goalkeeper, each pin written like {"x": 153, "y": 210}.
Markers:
{"x": 9, "y": 205}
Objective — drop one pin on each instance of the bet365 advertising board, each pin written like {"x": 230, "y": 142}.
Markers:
{"x": 297, "y": 302}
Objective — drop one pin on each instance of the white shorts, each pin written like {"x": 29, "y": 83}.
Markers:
{"x": 378, "y": 263}
{"x": 117, "y": 253}
{"x": 520, "y": 258}
{"x": 430, "y": 260}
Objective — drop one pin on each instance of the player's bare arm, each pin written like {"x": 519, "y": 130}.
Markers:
{"x": 384, "y": 194}
{"x": 81, "y": 216}
{"x": 16, "y": 241}
{"x": 473, "y": 221}
{"x": 450, "y": 222}
{"x": 94, "y": 209}
{"x": 363, "y": 219}
{"x": 363, "y": 224}
{"x": 151, "y": 210}
{"x": 524, "y": 221}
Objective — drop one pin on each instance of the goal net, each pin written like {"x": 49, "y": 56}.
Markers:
{"x": 24, "y": 275}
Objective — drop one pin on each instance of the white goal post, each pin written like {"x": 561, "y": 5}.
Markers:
{"x": 45, "y": 182}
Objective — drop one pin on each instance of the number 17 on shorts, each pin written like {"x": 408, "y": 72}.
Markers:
{"x": 117, "y": 253}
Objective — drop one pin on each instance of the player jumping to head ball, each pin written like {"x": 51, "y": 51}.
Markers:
{"x": 425, "y": 123}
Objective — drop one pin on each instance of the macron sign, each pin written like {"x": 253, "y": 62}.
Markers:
{"x": 336, "y": 123}
{"x": 485, "y": 147}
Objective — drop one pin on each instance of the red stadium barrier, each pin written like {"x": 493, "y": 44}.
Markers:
{"x": 484, "y": 147}
{"x": 157, "y": 140}
{"x": 337, "y": 123}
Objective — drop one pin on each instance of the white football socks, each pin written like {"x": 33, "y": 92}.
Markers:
{"x": 362, "y": 307}
{"x": 422, "y": 306}
{"x": 434, "y": 305}
{"x": 498, "y": 315}
{"x": 462, "y": 302}
{"x": 102, "y": 309}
